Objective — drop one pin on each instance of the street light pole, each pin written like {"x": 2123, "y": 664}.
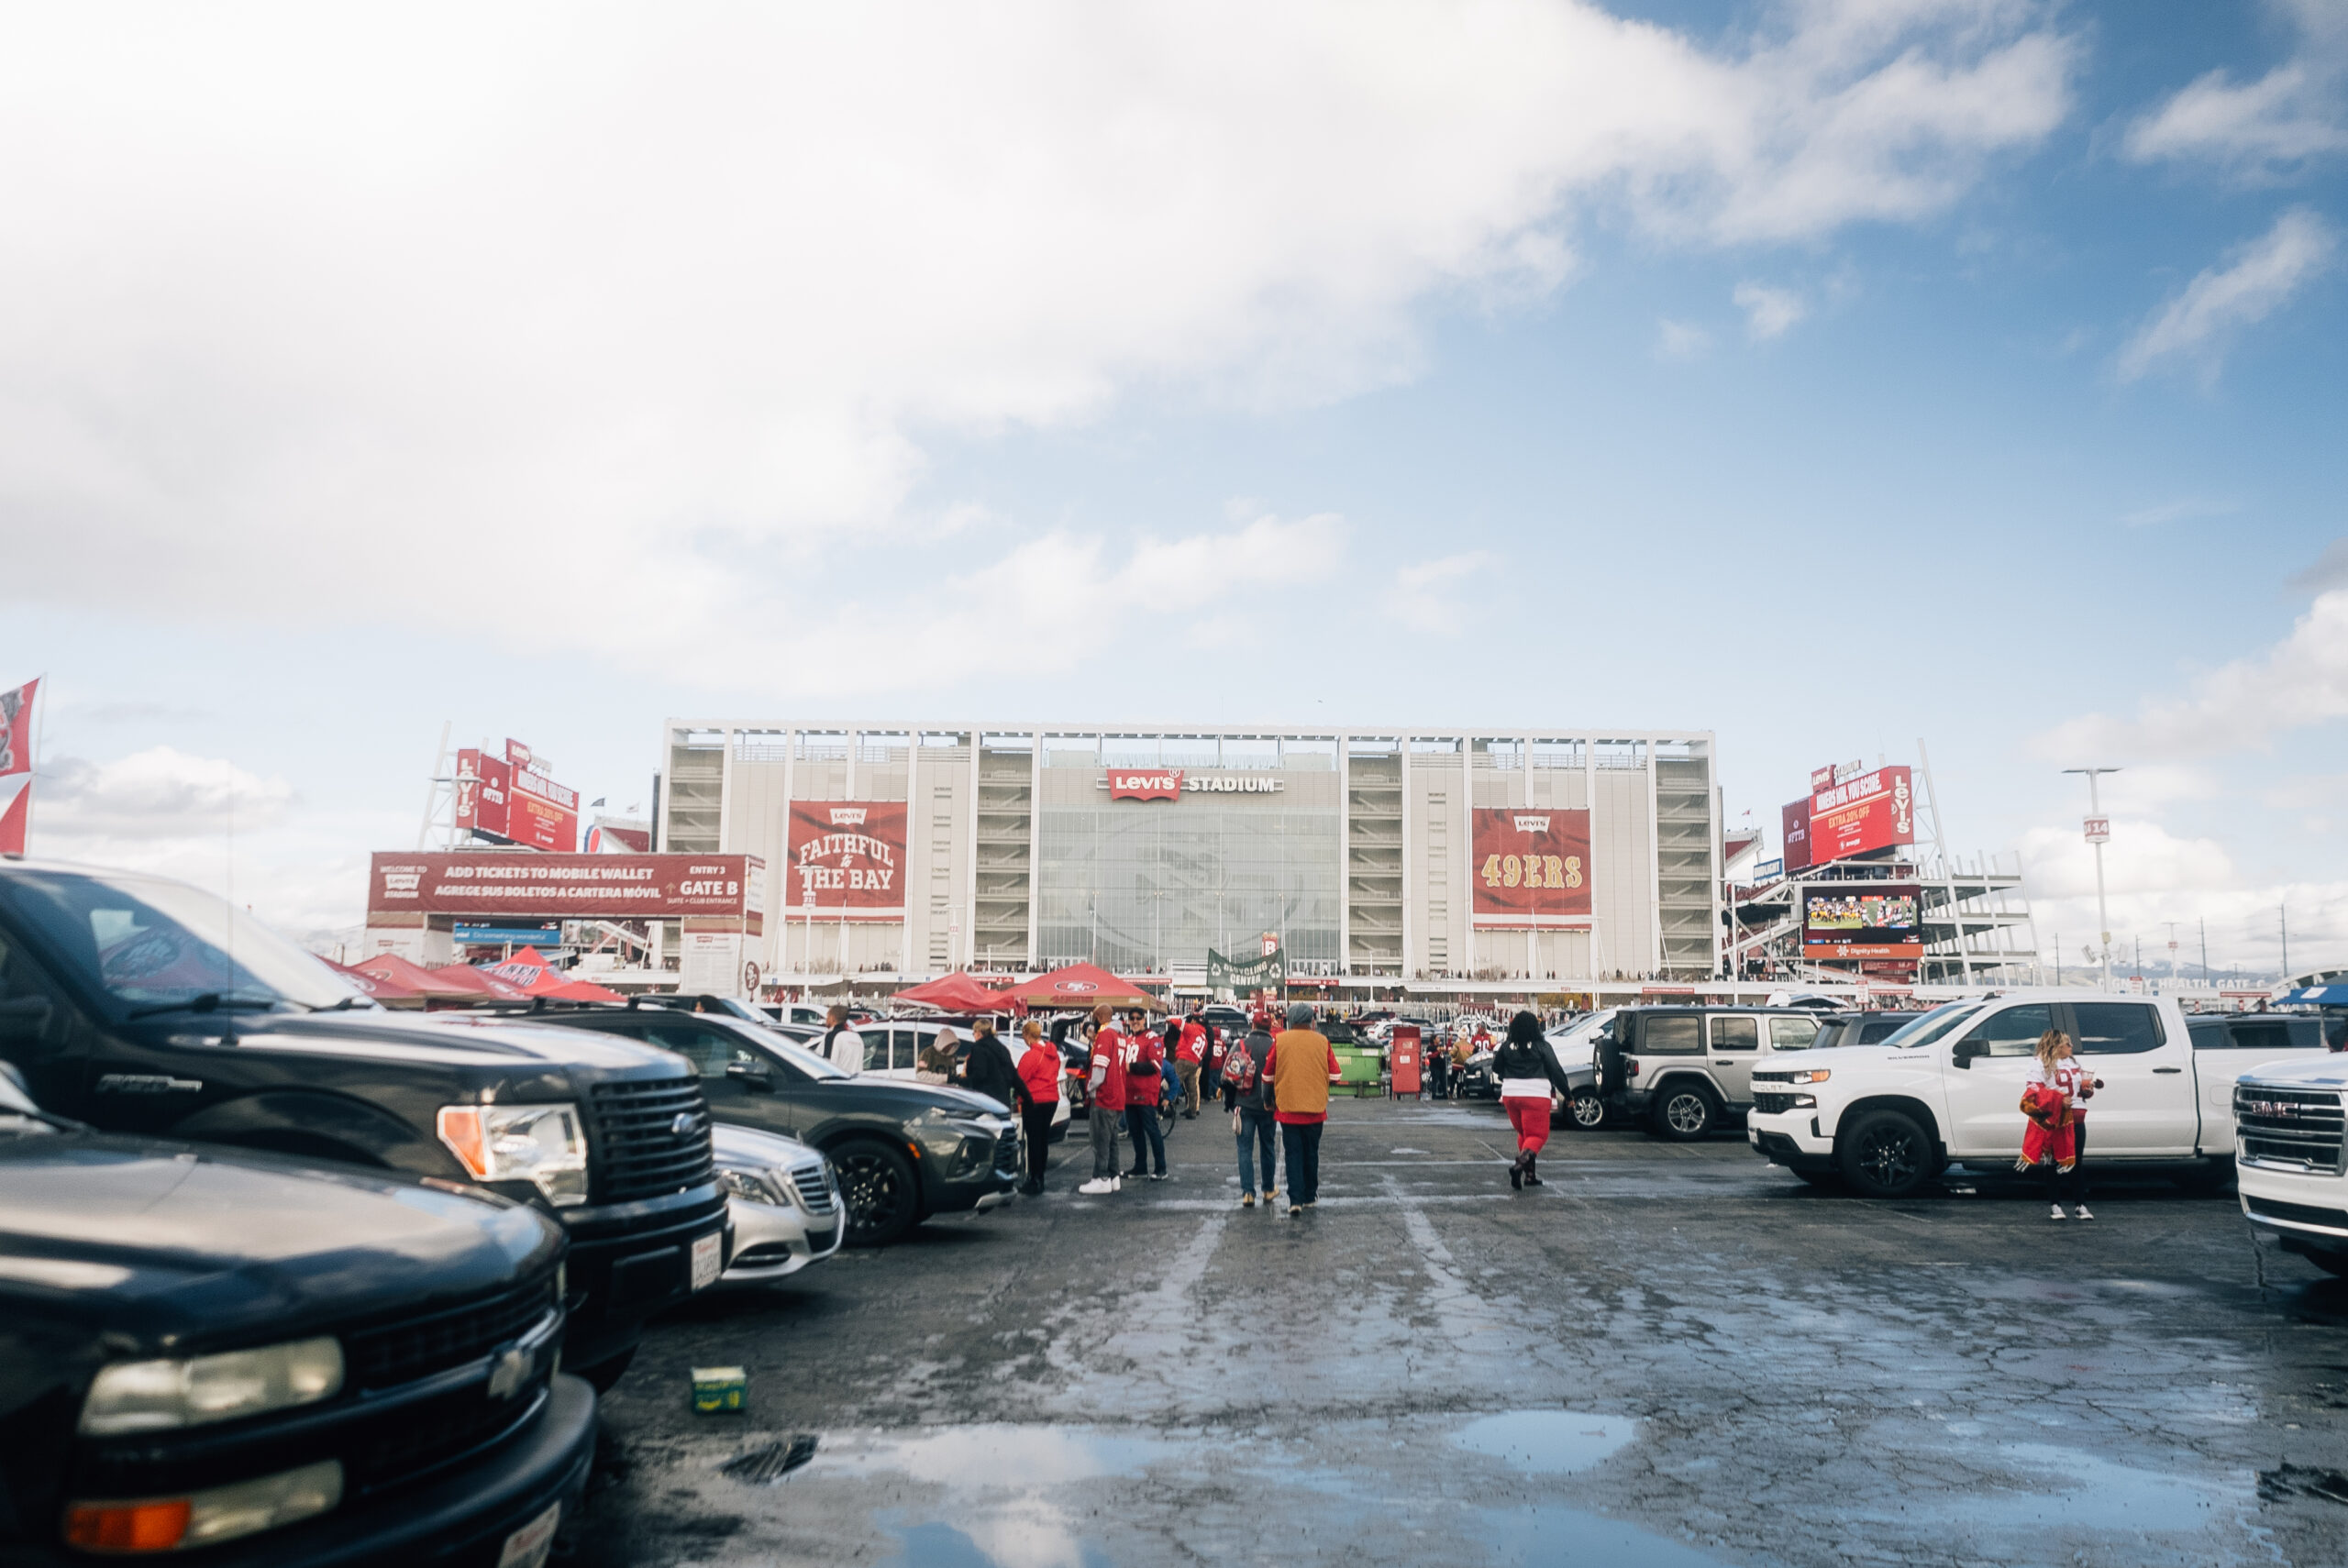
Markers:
{"x": 2098, "y": 829}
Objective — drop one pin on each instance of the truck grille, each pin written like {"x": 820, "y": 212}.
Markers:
{"x": 2294, "y": 1127}
{"x": 639, "y": 1153}
{"x": 427, "y": 1436}
{"x": 1771, "y": 1104}
{"x": 813, "y": 1190}
{"x": 401, "y": 1352}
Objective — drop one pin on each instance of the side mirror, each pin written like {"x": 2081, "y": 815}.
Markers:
{"x": 24, "y": 1018}
{"x": 1961, "y": 1055}
{"x": 749, "y": 1073}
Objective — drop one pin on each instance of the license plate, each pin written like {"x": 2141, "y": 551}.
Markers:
{"x": 528, "y": 1547}
{"x": 709, "y": 1259}
{"x": 1753, "y": 1136}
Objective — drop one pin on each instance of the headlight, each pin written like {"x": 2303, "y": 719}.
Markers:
{"x": 1810, "y": 1076}
{"x": 201, "y": 1518}
{"x": 1803, "y": 1101}
{"x": 154, "y": 1395}
{"x": 539, "y": 1144}
{"x": 757, "y": 1186}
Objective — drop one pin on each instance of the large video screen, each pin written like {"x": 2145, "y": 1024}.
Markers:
{"x": 1862, "y": 920}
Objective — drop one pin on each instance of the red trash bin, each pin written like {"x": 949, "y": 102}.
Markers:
{"x": 1402, "y": 1049}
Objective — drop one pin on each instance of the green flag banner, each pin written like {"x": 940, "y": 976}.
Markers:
{"x": 1261, "y": 972}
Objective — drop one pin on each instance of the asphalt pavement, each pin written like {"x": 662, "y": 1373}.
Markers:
{"x": 1670, "y": 1354}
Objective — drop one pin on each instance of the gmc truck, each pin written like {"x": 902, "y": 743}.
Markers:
{"x": 143, "y": 1006}
{"x": 2287, "y": 1156}
{"x": 1946, "y": 1090}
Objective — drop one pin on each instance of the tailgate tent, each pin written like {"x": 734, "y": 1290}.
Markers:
{"x": 391, "y": 993}
{"x": 1079, "y": 985}
{"x": 961, "y": 992}
{"x": 454, "y": 983}
{"x": 529, "y": 970}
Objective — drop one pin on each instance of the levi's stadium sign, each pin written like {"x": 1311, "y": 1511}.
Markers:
{"x": 1171, "y": 783}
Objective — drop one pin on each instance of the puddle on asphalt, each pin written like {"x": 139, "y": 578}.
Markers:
{"x": 1002, "y": 1496}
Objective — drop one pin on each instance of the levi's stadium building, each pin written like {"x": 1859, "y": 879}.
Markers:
{"x": 1374, "y": 856}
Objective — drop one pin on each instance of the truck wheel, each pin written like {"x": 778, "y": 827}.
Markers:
{"x": 1684, "y": 1111}
{"x": 1586, "y": 1110}
{"x": 1886, "y": 1155}
{"x": 877, "y": 1184}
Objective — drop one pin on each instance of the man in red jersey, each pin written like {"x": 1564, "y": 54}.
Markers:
{"x": 1106, "y": 1075}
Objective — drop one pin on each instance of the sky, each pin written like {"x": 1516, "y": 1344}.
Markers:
{"x": 1832, "y": 375}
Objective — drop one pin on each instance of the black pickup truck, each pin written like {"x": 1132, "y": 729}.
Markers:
{"x": 140, "y": 1005}
{"x": 228, "y": 1353}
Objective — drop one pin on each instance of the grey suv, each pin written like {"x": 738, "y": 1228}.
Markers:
{"x": 1683, "y": 1071}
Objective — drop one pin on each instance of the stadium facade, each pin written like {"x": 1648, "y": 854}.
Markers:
{"x": 1394, "y": 854}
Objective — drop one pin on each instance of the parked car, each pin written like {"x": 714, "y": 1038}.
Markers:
{"x": 225, "y": 1352}
{"x": 2289, "y": 1168}
{"x": 1947, "y": 1090}
{"x": 784, "y": 1202}
{"x": 1860, "y": 1028}
{"x": 1684, "y": 1071}
{"x": 902, "y": 1152}
{"x": 1579, "y": 1045}
{"x": 118, "y": 994}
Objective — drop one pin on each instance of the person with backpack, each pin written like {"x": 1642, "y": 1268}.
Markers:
{"x": 1526, "y": 1065}
{"x": 1248, "y": 1095}
{"x": 1105, "y": 1080}
{"x": 1144, "y": 1081}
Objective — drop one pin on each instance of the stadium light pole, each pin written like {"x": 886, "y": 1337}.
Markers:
{"x": 2098, "y": 829}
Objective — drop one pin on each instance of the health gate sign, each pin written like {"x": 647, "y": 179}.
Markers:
{"x": 849, "y": 855}
{"x": 1531, "y": 864}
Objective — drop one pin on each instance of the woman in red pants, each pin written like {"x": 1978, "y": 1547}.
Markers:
{"x": 1527, "y": 1068}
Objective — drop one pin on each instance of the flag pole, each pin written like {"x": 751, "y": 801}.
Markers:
{"x": 40, "y": 684}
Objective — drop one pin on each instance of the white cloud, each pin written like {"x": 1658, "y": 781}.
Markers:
{"x": 2258, "y": 281}
{"x": 1421, "y": 597}
{"x": 2241, "y": 706}
{"x": 2267, "y": 129}
{"x": 160, "y": 793}
{"x": 2327, "y": 571}
{"x": 304, "y": 304}
{"x": 2186, "y": 508}
{"x": 1768, "y": 312}
{"x": 1680, "y": 339}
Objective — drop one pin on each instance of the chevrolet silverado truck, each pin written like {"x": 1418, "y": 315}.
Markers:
{"x": 2289, "y": 1167}
{"x": 143, "y": 1006}
{"x": 1946, "y": 1090}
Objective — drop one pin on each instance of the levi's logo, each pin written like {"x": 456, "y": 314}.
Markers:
{"x": 1532, "y": 824}
{"x": 1162, "y": 784}
{"x": 848, "y": 816}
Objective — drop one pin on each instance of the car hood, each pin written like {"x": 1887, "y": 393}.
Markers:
{"x": 906, "y": 1099}
{"x": 454, "y": 1041}
{"x": 1844, "y": 1056}
{"x": 756, "y": 1146}
{"x": 2328, "y": 1071}
{"x": 163, "y": 1245}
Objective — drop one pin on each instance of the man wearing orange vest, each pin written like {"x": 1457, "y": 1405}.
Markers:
{"x": 1302, "y": 1066}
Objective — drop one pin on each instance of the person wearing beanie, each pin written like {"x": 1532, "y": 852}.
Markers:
{"x": 1302, "y": 1065}
{"x": 1526, "y": 1065}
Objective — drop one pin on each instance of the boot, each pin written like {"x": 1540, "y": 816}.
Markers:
{"x": 1531, "y": 1176}
{"x": 1516, "y": 1173}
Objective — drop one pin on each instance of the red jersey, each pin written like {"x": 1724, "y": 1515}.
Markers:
{"x": 1106, "y": 1070}
{"x": 1187, "y": 1049}
{"x": 1145, "y": 1069}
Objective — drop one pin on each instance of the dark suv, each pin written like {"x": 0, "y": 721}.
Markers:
{"x": 902, "y": 1151}
{"x": 144, "y": 1006}
{"x": 209, "y": 1349}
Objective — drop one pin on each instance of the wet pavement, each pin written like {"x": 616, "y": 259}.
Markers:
{"x": 1667, "y": 1355}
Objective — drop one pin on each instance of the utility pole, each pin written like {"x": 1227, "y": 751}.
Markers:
{"x": 2099, "y": 831}
{"x": 2203, "y": 921}
{"x": 2283, "y": 925}
{"x": 2172, "y": 951}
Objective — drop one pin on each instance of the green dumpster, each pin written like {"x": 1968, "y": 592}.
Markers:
{"x": 1360, "y": 1072}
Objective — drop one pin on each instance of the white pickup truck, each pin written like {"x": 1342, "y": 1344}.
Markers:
{"x": 1947, "y": 1090}
{"x": 2288, "y": 1160}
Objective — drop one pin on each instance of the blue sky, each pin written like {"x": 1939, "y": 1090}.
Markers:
{"x": 1826, "y": 374}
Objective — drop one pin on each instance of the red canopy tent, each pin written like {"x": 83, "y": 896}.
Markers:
{"x": 960, "y": 992}
{"x": 454, "y": 983}
{"x": 530, "y": 971}
{"x": 391, "y": 993}
{"x": 1079, "y": 985}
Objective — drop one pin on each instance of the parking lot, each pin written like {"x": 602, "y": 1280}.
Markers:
{"x": 1669, "y": 1354}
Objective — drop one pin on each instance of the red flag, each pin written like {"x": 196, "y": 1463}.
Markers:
{"x": 15, "y": 765}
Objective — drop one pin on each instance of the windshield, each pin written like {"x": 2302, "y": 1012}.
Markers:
{"x": 144, "y": 943}
{"x": 1931, "y": 1026}
{"x": 776, "y": 1044}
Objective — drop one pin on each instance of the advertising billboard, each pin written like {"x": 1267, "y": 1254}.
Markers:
{"x": 1794, "y": 832}
{"x": 1532, "y": 864}
{"x": 1865, "y": 813}
{"x": 541, "y": 813}
{"x": 1862, "y": 920}
{"x": 576, "y": 887}
{"x": 846, "y": 858}
{"x": 1145, "y": 784}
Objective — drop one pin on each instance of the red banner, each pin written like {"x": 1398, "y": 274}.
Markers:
{"x": 1159, "y": 784}
{"x": 1865, "y": 813}
{"x": 571, "y": 887}
{"x": 849, "y": 854}
{"x": 1532, "y": 863}
{"x": 1794, "y": 823}
{"x": 541, "y": 813}
{"x": 15, "y": 765}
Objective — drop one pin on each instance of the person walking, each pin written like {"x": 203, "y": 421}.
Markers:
{"x": 1105, "y": 1079}
{"x": 1210, "y": 1070}
{"x": 1144, "y": 1082}
{"x": 1039, "y": 1075}
{"x": 1302, "y": 1065}
{"x": 1526, "y": 1065}
{"x": 1190, "y": 1054}
{"x": 842, "y": 1046}
{"x": 1248, "y": 1095}
{"x": 1438, "y": 1072}
{"x": 2054, "y": 1098}
{"x": 936, "y": 1061}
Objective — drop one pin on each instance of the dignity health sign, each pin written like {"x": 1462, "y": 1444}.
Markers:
{"x": 846, "y": 857}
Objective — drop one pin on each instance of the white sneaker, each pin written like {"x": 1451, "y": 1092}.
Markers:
{"x": 1099, "y": 1185}
{"x": 2079, "y": 1211}
{"x": 2055, "y": 1211}
{"x": 1116, "y": 1184}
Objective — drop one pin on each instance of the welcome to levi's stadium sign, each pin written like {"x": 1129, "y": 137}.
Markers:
{"x": 1171, "y": 783}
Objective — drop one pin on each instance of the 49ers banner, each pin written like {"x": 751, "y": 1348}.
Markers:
{"x": 1532, "y": 864}
{"x": 16, "y": 765}
{"x": 851, "y": 854}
